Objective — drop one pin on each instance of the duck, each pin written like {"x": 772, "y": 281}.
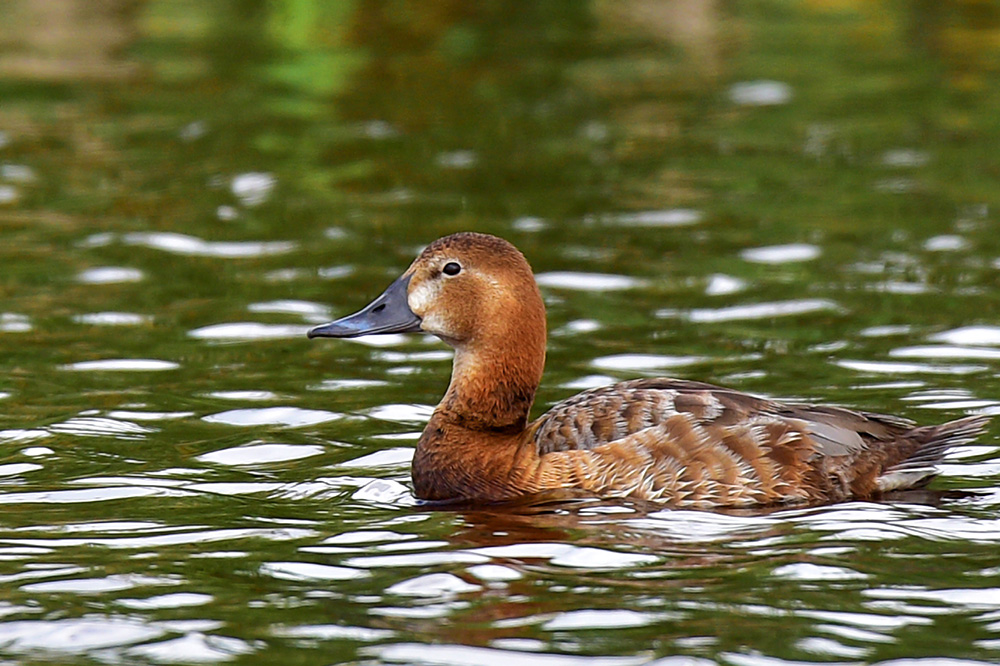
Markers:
{"x": 676, "y": 442}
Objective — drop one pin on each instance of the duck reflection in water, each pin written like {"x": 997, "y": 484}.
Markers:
{"x": 680, "y": 443}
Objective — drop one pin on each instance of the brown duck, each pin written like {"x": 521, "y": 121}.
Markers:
{"x": 683, "y": 443}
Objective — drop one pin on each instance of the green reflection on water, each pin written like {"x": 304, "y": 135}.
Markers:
{"x": 385, "y": 124}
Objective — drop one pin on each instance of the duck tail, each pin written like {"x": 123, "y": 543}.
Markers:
{"x": 932, "y": 443}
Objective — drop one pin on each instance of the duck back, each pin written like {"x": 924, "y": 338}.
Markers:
{"x": 695, "y": 445}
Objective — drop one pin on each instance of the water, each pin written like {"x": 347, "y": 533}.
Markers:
{"x": 797, "y": 199}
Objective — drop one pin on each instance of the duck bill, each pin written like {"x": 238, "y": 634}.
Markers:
{"x": 389, "y": 313}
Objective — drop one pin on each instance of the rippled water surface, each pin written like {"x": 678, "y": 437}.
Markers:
{"x": 796, "y": 199}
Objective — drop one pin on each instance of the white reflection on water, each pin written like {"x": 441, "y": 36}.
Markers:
{"x": 894, "y": 367}
{"x": 968, "y": 598}
{"x": 12, "y": 322}
{"x": 74, "y": 635}
{"x": 252, "y": 188}
{"x": 175, "y": 600}
{"x": 291, "y": 417}
{"x": 192, "y": 648}
{"x": 315, "y": 313}
{"x": 762, "y": 92}
{"x": 568, "y": 555}
{"x": 644, "y": 361}
{"x": 722, "y": 285}
{"x": 393, "y": 457}
{"x": 19, "y": 435}
{"x": 780, "y": 254}
{"x": 330, "y": 632}
{"x": 90, "y": 426}
{"x": 433, "y": 585}
{"x": 245, "y": 331}
{"x": 121, "y": 365}
{"x": 406, "y": 413}
{"x": 816, "y": 572}
{"x": 946, "y": 243}
{"x": 193, "y": 246}
{"x": 754, "y": 311}
{"x": 112, "y": 583}
{"x": 587, "y": 281}
{"x": 306, "y": 571}
{"x": 261, "y": 454}
{"x": 702, "y": 526}
{"x": 969, "y": 335}
{"x": 612, "y": 618}
{"x": 946, "y": 351}
{"x": 462, "y": 655}
{"x": 261, "y": 396}
{"x": 147, "y": 416}
{"x": 110, "y": 275}
{"x": 671, "y": 217}
{"x": 112, "y": 319}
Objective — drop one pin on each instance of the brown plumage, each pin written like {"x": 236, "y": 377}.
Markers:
{"x": 682, "y": 443}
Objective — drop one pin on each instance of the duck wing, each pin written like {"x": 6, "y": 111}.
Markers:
{"x": 692, "y": 444}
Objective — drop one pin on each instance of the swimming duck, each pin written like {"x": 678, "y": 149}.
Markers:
{"x": 682, "y": 443}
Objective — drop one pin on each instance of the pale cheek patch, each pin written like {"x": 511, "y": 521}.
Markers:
{"x": 422, "y": 297}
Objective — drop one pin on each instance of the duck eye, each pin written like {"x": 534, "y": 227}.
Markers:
{"x": 451, "y": 268}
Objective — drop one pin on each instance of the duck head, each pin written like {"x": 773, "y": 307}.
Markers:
{"x": 473, "y": 291}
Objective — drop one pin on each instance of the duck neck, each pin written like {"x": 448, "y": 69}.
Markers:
{"x": 494, "y": 377}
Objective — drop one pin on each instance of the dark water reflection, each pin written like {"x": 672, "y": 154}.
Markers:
{"x": 797, "y": 199}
